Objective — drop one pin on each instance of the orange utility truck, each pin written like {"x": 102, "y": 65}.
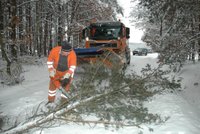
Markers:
{"x": 106, "y": 42}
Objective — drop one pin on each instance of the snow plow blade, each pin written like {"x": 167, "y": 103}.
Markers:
{"x": 88, "y": 52}
{"x": 103, "y": 56}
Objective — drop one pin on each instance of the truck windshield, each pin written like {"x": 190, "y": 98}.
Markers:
{"x": 104, "y": 33}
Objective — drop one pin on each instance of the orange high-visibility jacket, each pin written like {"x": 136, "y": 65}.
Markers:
{"x": 54, "y": 56}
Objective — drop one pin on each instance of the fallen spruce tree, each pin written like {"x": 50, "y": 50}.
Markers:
{"x": 114, "y": 97}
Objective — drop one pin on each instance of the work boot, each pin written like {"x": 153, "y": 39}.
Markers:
{"x": 50, "y": 105}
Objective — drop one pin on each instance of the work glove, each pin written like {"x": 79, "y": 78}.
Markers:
{"x": 65, "y": 79}
{"x": 52, "y": 72}
{"x": 67, "y": 75}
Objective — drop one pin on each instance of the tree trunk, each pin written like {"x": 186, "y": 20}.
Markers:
{"x": 20, "y": 34}
{"x": 3, "y": 50}
{"x": 51, "y": 116}
{"x": 29, "y": 30}
{"x": 36, "y": 29}
{"x": 1, "y": 28}
{"x": 45, "y": 36}
{"x": 60, "y": 24}
{"x": 40, "y": 28}
{"x": 13, "y": 24}
{"x": 50, "y": 35}
{"x": 193, "y": 42}
{"x": 199, "y": 39}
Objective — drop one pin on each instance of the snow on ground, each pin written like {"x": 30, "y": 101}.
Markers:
{"x": 21, "y": 98}
{"x": 182, "y": 108}
{"x": 139, "y": 62}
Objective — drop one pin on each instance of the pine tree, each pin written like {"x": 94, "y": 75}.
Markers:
{"x": 171, "y": 28}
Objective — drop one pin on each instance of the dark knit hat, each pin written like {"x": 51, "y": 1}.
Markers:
{"x": 66, "y": 46}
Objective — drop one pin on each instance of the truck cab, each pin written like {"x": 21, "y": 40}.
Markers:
{"x": 100, "y": 36}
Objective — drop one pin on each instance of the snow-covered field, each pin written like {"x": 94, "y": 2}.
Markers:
{"x": 182, "y": 108}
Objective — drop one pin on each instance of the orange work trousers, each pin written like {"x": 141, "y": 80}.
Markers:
{"x": 55, "y": 83}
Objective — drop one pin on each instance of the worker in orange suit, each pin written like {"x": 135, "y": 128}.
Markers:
{"x": 61, "y": 64}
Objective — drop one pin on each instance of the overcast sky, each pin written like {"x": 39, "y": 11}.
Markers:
{"x": 136, "y": 34}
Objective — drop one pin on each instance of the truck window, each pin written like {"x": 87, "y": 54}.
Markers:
{"x": 105, "y": 33}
